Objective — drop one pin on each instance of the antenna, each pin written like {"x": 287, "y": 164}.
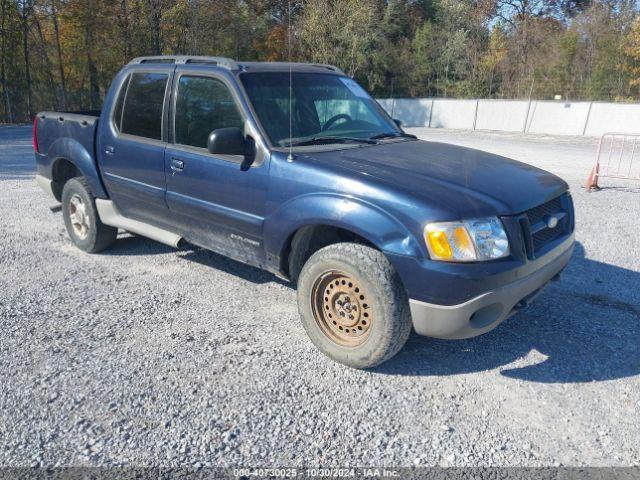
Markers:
{"x": 290, "y": 156}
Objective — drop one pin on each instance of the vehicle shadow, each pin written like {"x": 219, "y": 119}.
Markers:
{"x": 134, "y": 245}
{"x": 232, "y": 267}
{"x": 617, "y": 188}
{"x": 584, "y": 328}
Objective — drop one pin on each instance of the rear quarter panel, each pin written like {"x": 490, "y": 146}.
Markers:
{"x": 71, "y": 137}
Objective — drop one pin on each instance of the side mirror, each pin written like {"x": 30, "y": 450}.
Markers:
{"x": 397, "y": 122}
{"x": 227, "y": 141}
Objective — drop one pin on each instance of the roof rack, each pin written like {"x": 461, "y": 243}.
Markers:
{"x": 187, "y": 59}
{"x": 328, "y": 67}
{"x": 223, "y": 62}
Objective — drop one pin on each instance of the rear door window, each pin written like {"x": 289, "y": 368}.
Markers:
{"x": 117, "y": 111}
{"x": 143, "y": 105}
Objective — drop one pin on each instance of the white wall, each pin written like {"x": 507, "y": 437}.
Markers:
{"x": 558, "y": 118}
{"x": 457, "y": 114}
{"x": 613, "y": 118}
{"x": 540, "y": 117}
{"x": 413, "y": 113}
{"x": 386, "y": 103}
{"x": 501, "y": 115}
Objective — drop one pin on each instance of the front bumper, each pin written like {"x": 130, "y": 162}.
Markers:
{"x": 486, "y": 311}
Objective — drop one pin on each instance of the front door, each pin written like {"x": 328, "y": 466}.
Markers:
{"x": 217, "y": 204}
{"x": 133, "y": 146}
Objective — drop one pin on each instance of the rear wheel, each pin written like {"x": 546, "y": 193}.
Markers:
{"x": 353, "y": 305}
{"x": 81, "y": 218}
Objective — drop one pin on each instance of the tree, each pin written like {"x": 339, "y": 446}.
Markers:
{"x": 347, "y": 43}
{"x": 632, "y": 51}
{"x": 25, "y": 9}
{"x": 88, "y": 21}
{"x": 493, "y": 59}
{"x": 66, "y": 52}
{"x": 56, "y": 29}
{"x": 391, "y": 58}
{"x": 155, "y": 19}
{"x": 4, "y": 36}
{"x": 423, "y": 52}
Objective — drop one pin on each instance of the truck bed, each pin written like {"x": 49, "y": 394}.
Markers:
{"x": 70, "y": 136}
{"x": 78, "y": 126}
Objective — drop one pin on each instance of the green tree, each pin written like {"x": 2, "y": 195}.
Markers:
{"x": 346, "y": 42}
{"x": 423, "y": 48}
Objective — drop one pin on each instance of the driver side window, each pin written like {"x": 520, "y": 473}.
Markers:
{"x": 203, "y": 104}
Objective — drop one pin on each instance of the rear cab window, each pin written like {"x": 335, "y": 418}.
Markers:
{"x": 139, "y": 109}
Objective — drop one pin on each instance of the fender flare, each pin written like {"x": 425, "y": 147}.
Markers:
{"x": 71, "y": 150}
{"x": 362, "y": 218}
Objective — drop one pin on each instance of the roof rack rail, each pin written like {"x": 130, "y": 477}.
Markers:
{"x": 328, "y": 67}
{"x": 186, "y": 59}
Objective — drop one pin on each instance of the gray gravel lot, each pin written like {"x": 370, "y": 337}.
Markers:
{"x": 146, "y": 355}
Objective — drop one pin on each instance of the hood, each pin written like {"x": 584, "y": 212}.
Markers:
{"x": 465, "y": 181}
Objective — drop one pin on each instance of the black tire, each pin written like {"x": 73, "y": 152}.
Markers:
{"x": 97, "y": 236}
{"x": 353, "y": 269}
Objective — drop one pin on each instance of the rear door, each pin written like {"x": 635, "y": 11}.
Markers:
{"x": 134, "y": 143}
{"x": 217, "y": 203}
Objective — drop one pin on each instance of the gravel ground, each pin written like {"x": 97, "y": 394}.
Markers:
{"x": 146, "y": 355}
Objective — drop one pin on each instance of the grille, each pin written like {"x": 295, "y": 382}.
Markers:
{"x": 536, "y": 214}
{"x": 541, "y": 235}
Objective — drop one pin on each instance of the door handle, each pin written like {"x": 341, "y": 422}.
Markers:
{"x": 109, "y": 150}
{"x": 177, "y": 165}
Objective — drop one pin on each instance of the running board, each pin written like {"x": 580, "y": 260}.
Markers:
{"x": 110, "y": 215}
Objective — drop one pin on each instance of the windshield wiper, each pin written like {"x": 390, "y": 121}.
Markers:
{"x": 380, "y": 136}
{"x": 327, "y": 140}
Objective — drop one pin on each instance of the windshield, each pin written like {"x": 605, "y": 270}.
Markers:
{"x": 325, "y": 109}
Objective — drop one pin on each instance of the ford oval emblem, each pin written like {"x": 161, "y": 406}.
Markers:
{"x": 551, "y": 221}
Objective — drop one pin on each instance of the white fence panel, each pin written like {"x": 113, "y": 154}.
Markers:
{"x": 544, "y": 117}
{"x": 558, "y": 118}
{"x": 386, "y": 103}
{"x": 457, "y": 114}
{"x": 502, "y": 115}
{"x": 413, "y": 112}
{"x": 613, "y": 117}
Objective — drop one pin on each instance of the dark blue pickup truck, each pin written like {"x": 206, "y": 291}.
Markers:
{"x": 295, "y": 169}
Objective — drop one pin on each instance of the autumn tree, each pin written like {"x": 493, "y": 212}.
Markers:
{"x": 64, "y": 53}
{"x": 632, "y": 51}
{"x": 346, "y": 42}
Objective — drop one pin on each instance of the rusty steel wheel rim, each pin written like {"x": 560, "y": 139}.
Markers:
{"x": 341, "y": 308}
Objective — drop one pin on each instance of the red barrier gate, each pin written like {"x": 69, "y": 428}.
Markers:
{"x": 617, "y": 158}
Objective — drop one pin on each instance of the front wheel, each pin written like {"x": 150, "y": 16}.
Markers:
{"x": 353, "y": 305}
{"x": 81, "y": 218}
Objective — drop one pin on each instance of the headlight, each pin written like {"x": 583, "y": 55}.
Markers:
{"x": 468, "y": 241}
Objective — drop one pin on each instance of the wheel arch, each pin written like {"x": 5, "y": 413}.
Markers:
{"x": 71, "y": 157}
{"x": 308, "y": 239}
{"x": 291, "y": 238}
{"x": 62, "y": 170}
